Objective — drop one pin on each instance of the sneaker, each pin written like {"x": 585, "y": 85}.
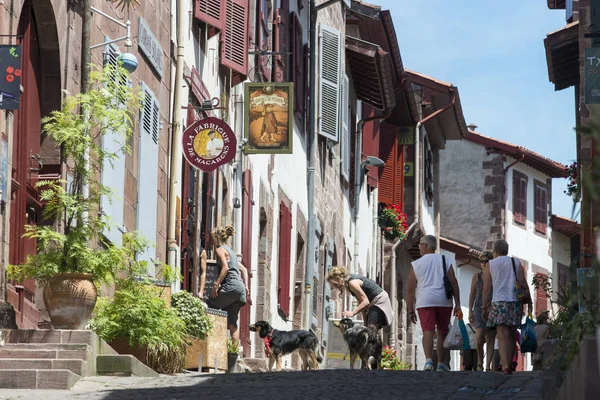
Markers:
{"x": 428, "y": 366}
{"x": 443, "y": 367}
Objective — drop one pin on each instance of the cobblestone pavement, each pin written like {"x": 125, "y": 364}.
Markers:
{"x": 325, "y": 384}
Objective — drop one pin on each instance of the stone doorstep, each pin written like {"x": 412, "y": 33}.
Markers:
{"x": 55, "y": 379}
{"x": 61, "y": 336}
{"x": 76, "y": 352}
{"x": 78, "y": 367}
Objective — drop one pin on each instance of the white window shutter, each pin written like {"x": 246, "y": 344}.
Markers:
{"x": 330, "y": 67}
{"x": 147, "y": 206}
{"x": 345, "y": 114}
{"x": 113, "y": 171}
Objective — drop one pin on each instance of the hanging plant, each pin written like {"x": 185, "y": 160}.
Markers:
{"x": 572, "y": 186}
{"x": 393, "y": 222}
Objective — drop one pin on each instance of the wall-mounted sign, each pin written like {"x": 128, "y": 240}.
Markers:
{"x": 208, "y": 143}
{"x": 409, "y": 169}
{"x": 150, "y": 46}
{"x": 10, "y": 77}
{"x": 406, "y": 135}
{"x": 592, "y": 75}
{"x": 269, "y": 118}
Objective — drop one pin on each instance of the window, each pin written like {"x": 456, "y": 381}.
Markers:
{"x": 519, "y": 197}
{"x": 285, "y": 243}
{"x": 563, "y": 278}
{"x": 330, "y": 66}
{"x": 234, "y": 46}
{"x": 281, "y": 39}
{"x": 391, "y": 183}
{"x": 541, "y": 301}
{"x": 148, "y": 172}
{"x": 541, "y": 207}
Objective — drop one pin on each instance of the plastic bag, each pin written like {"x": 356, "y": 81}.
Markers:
{"x": 528, "y": 339}
{"x": 454, "y": 340}
{"x": 466, "y": 343}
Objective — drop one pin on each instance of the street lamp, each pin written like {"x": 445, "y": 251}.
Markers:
{"x": 128, "y": 60}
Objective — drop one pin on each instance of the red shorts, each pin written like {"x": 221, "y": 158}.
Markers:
{"x": 432, "y": 316}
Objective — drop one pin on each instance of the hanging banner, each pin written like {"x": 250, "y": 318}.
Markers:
{"x": 269, "y": 118}
{"x": 592, "y": 75}
{"x": 10, "y": 77}
{"x": 209, "y": 143}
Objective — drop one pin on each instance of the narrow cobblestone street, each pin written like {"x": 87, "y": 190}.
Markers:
{"x": 327, "y": 384}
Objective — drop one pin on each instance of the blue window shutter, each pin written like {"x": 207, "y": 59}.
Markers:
{"x": 330, "y": 68}
{"x": 148, "y": 172}
{"x": 113, "y": 171}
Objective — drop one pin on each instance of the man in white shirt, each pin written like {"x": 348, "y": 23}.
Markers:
{"x": 426, "y": 283}
{"x": 214, "y": 145}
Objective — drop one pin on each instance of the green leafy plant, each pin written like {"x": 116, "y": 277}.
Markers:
{"x": 233, "y": 346}
{"x": 78, "y": 128}
{"x": 390, "y": 360}
{"x": 138, "y": 314}
{"x": 393, "y": 222}
{"x": 573, "y": 182}
{"x": 193, "y": 312}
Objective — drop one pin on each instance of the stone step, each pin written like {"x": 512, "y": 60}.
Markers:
{"x": 46, "y": 351}
{"x": 50, "y": 336}
{"x": 123, "y": 365}
{"x": 55, "y": 379}
{"x": 78, "y": 367}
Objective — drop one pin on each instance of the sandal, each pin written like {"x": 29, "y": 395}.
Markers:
{"x": 506, "y": 371}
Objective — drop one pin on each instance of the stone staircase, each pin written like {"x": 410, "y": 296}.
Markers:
{"x": 57, "y": 359}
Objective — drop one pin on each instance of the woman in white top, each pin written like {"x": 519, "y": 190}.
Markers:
{"x": 504, "y": 312}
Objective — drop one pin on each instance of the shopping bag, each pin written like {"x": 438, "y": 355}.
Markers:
{"x": 454, "y": 339}
{"x": 528, "y": 339}
{"x": 466, "y": 343}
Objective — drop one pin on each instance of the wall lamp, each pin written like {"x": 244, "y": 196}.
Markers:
{"x": 128, "y": 60}
{"x": 370, "y": 161}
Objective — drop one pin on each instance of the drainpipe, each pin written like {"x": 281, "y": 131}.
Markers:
{"x": 417, "y": 205}
{"x": 313, "y": 11}
{"x": 358, "y": 177}
{"x": 238, "y": 169}
{"x": 176, "y": 151}
{"x": 518, "y": 160}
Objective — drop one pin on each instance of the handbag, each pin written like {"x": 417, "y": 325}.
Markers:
{"x": 447, "y": 284}
{"x": 521, "y": 291}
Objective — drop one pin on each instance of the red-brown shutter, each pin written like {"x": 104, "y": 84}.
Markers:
{"x": 209, "y": 11}
{"x": 234, "y": 45}
{"x": 523, "y": 199}
{"x": 297, "y": 69}
{"x": 399, "y": 177}
{"x": 541, "y": 209}
{"x": 247, "y": 204}
{"x": 370, "y": 142}
{"x": 519, "y": 198}
{"x": 282, "y": 41}
{"x": 285, "y": 242}
{"x": 541, "y": 301}
{"x": 388, "y": 149}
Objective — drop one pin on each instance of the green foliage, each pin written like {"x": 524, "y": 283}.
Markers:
{"x": 70, "y": 238}
{"x": 139, "y": 315}
{"x": 193, "y": 312}
{"x": 389, "y": 359}
{"x": 233, "y": 347}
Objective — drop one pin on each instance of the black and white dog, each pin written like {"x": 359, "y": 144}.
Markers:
{"x": 362, "y": 341}
{"x": 279, "y": 343}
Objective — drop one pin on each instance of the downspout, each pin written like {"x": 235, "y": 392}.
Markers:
{"x": 506, "y": 192}
{"x": 417, "y": 205}
{"x": 176, "y": 151}
{"x": 313, "y": 11}
{"x": 238, "y": 169}
{"x": 358, "y": 176}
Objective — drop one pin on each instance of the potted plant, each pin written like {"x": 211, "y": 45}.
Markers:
{"x": 393, "y": 222}
{"x": 390, "y": 361}
{"x": 233, "y": 349}
{"x": 73, "y": 257}
{"x": 198, "y": 324}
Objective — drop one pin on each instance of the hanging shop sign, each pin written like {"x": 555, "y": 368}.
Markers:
{"x": 592, "y": 75}
{"x": 269, "y": 118}
{"x": 150, "y": 46}
{"x": 406, "y": 135}
{"x": 10, "y": 77}
{"x": 209, "y": 143}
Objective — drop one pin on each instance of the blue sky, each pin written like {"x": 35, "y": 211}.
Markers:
{"x": 494, "y": 53}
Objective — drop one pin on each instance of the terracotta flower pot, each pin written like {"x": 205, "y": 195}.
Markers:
{"x": 70, "y": 300}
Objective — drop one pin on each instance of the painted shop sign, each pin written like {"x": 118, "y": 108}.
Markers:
{"x": 150, "y": 47}
{"x": 269, "y": 118}
{"x": 209, "y": 143}
{"x": 10, "y": 77}
{"x": 592, "y": 75}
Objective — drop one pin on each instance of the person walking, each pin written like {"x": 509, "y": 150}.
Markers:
{"x": 230, "y": 290}
{"x": 426, "y": 288}
{"x": 484, "y": 335}
{"x": 373, "y": 302}
{"x": 504, "y": 311}
{"x": 470, "y": 356}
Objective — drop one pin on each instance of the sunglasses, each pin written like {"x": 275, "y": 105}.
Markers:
{"x": 484, "y": 261}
